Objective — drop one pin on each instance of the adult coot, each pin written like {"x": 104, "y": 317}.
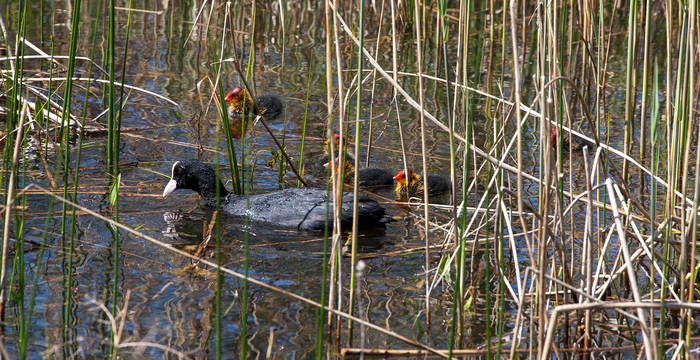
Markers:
{"x": 295, "y": 208}
{"x": 268, "y": 106}
{"x": 437, "y": 185}
{"x": 370, "y": 177}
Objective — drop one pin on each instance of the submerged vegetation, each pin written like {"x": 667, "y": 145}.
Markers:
{"x": 568, "y": 132}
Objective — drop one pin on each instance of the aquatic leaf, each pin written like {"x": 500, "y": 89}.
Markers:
{"x": 468, "y": 304}
{"x": 444, "y": 269}
{"x": 114, "y": 191}
{"x": 421, "y": 329}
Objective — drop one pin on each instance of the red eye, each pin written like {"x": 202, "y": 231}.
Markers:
{"x": 178, "y": 171}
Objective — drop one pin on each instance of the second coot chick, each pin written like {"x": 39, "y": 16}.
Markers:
{"x": 268, "y": 106}
{"x": 295, "y": 208}
{"x": 437, "y": 185}
{"x": 367, "y": 177}
{"x": 577, "y": 143}
{"x": 336, "y": 143}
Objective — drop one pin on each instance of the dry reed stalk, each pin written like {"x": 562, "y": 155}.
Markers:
{"x": 648, "y": 336}
{"x": 426, "y": 228}
{"x": 329, "y": 136}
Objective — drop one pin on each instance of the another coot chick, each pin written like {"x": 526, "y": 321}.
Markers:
{"x": 265, "y": 105}
{"x": 336, "y": 143}
{"x": 577, "y": 145}
{"x": 367, "y": 177}
{"x": 295, "y": 208}
{"x": 437, "y": 185}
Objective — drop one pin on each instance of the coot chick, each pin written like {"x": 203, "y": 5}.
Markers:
{"x": 268, "y": 106}
{"x": 437, "y": 185}
{"x": 336, "y": 143}
{"x": 578, "y": 143}
{"x": 295, "y": 208}
{"x": 367, "y": 177}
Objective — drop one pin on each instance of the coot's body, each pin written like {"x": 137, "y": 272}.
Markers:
{"x": 303, "y": 209}
{"x": 373, "y": 177}
{"x": 296, "y": 208}
{"x": 437, "y": 185}
{"x": 577, "y": 143}
{"x": 367, "y": 177}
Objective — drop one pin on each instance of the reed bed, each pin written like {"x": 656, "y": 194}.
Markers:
{"x": 569, "y": 137}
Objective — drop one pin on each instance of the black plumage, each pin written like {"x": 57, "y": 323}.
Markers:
{"x": 296, "y": 208}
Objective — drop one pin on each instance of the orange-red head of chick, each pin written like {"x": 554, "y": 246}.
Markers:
{"x": 405, "y": 190}
{"x": 553, "y": 137}
{"x": 336, "y": 143}
{"x": 235, "y": 98}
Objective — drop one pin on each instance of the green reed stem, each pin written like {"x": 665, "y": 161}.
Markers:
{"x": 645, "y": 81}
{"x": 76, "y": 178}
{"x": 685, "y": 104}
{"x": 677, "y": 139}
{"x": 654, "y": 133}
{"x": 113, "y": 164}
{"x": 122, "y": 100}
{"x": 235, "y": 178}
{"x": 65, "y": 143}
{"x": 630, "y": 82}
{"x": 115, "y": 135}
{"x": 111, "y": 116}
{"x": 19, "y": 260}
{"x": 687, "y": 318}
{"x": 14, "y": 102}
{"x": 453, "y": 159}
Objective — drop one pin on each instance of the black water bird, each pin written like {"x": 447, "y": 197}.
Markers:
{"x": 369, "y": 177}
{"x": 238, "y": 99}
{"x": 413, "y": 186}
{"x": 295, "y": 208}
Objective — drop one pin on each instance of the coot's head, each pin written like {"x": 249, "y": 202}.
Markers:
{"x": 336, "y": 139}
{"x": 235, "y": 97}
{"x": 401, "y": 177}
{"x": 336, "y": 142}
{"x": 196, "y": 176}
{"x": 235, "y": 94}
